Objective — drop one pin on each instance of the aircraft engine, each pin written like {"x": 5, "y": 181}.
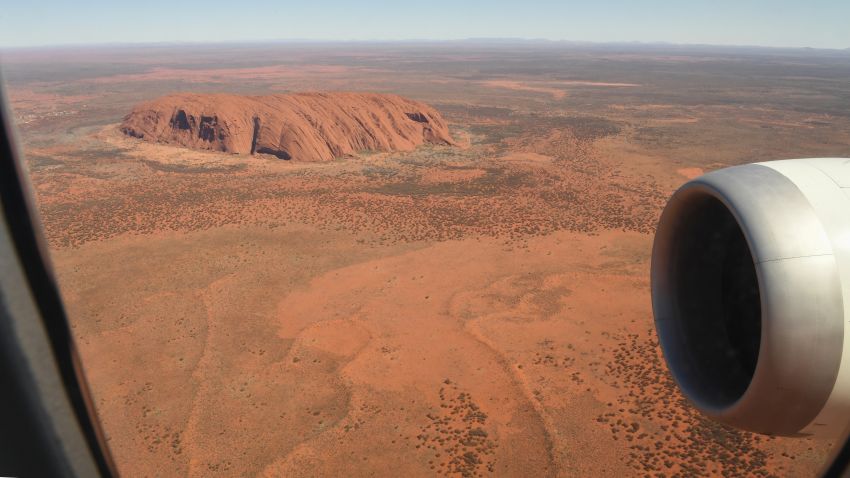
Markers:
{"x": 751, "y": 295}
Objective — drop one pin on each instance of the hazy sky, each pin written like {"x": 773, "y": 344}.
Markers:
{"x": 812, "y": 23}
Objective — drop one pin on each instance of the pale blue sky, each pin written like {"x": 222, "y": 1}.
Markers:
{"x": 812, "y": 23}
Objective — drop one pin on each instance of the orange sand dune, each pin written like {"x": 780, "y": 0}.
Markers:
{"x": 690, "y": 173}
{"x": 596, "y": 83}
{"x": 545, "y": 87}
{"x": 520, "y": 86}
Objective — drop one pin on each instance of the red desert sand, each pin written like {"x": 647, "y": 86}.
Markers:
{"x": 473, "y": 311}
{"x": 303, "y": 126}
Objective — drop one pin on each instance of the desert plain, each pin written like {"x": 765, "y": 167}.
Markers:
{"x": 479, "y": 308}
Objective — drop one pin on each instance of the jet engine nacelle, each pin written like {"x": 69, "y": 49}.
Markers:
{"x": 751, "y": 295}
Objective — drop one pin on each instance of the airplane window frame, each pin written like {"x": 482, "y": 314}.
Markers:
{"x": 48, "y": 422}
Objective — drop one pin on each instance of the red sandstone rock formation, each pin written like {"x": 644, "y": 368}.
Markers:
{"x": 302, "y": 126}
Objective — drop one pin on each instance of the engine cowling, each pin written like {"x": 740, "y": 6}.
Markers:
{"x": 751, "y": 295}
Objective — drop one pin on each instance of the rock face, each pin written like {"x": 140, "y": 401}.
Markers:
{"x": 302, "y": 126}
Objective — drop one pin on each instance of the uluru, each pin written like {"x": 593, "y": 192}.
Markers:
{"x": 300, "y": 126}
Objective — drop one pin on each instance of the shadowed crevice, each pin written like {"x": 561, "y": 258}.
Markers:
{"x": 274, "y": 152}
{"x": 418, "y": 117}
{"x": 255, "y": 135}
{"x": 179, "y": 120}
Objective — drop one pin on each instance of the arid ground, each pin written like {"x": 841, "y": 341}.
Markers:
{"x": 471, "y": 310}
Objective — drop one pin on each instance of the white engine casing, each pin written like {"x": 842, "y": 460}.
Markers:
{"x": 760, "y": 344}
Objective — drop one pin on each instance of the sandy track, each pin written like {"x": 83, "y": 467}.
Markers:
{"x": 417, "y": 345}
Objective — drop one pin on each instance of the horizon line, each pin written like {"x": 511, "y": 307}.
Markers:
{"x": 492, "y": 40}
